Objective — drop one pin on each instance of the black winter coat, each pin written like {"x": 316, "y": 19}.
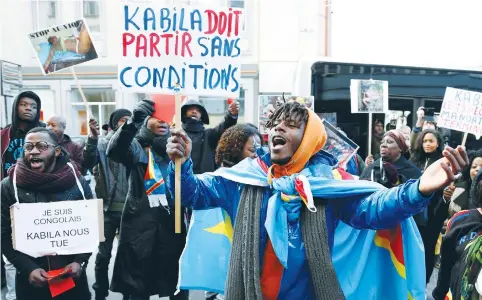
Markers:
{"x": 149, "y": 249}
{"x": 25, "y": 264}
{"x": 205, "y": 141}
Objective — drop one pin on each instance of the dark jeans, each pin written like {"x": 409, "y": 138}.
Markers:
{"x": 111, "y": 224}
{"x": 26, "y": 291}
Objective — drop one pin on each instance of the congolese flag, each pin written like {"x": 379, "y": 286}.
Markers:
{"x": 154, "y": 182}
{"x": 370, "y": 264}
{"x": 382, "y": 264}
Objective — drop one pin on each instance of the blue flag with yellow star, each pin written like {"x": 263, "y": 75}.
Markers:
{"x": 210, "y": 231}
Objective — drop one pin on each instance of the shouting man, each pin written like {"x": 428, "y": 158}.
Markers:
{"x": 42, "y": 174}
{"x": 286, "y": 206}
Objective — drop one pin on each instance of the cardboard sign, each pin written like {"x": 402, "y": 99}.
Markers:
{"x": 63, "y": 46}
{"x": 368, "y": 96}
{"x": 461, "y": 111}
{"x": 198, "y": 48}
{"x": 57, "y": 228}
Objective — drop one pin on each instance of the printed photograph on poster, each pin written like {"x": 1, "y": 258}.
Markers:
{"x": 338, "y": 144}
{"x": 369, "y": 96}
{"x": 63, "y": 46}
{"x": 330, "y": 117}
{"x": 269, "y": 103}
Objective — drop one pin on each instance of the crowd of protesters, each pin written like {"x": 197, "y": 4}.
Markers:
{"x": 47, "y": 165}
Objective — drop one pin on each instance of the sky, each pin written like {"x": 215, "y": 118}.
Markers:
{"x": 424, "y": 32}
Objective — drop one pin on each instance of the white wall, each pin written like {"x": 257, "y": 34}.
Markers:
{"x": 287, "y": 32}
{"x": 428, "y": 32}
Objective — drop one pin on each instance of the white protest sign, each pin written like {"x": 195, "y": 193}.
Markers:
{"x": 57, "y": 228}
{"x": 197, "y": 48}
{"x": 461, "y": 111}
{"x": 369, "y": 96}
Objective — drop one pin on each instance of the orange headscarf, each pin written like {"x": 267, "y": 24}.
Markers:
{"x": 313, "y": 141}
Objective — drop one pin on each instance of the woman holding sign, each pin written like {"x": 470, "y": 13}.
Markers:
{"x": 43, "y": 174}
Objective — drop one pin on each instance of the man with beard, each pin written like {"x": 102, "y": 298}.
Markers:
{"x": 149, "y": 249}
{"x": 282, "y": 249}
{"x": 43, "y": 174}
{"x": 111, "y": 185}
{"x": 25, "y": 116}
{"x": 205, "y": 141}
{"x": 82, "y": 157}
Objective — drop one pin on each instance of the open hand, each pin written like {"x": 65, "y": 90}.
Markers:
{"x": 94, "y": 128}
{"x": 38, "y": 277}
{"x": 444, "y": 171}
{"x": 179, "y": 145}
{"x": 234, "y": 108}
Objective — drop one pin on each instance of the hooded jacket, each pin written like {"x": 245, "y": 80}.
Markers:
{"x": 12, "y": 136}
{"x": 204, "y": 141}
{"x": 148, "y": 253}
{"x": 382, "y": 209}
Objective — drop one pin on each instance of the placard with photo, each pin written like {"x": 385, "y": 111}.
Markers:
{"x": 63, "y": 46}
{"x": 338, "y": 144}
{"x": 369, "y": 96}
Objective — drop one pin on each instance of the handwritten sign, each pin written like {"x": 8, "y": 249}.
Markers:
{"x": 200, "y": 49}
{"x": 461, "y": 111}
{"x": 57, "y": 228}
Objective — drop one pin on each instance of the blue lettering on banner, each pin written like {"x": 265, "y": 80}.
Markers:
{"x": 196, "y": 48}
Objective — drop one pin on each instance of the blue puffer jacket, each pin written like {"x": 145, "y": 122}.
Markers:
{"x": 383, "y": 209}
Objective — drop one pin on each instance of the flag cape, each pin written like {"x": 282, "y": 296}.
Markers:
{"x": 368, "y": 263}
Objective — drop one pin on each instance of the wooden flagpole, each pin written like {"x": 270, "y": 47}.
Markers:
{"x": 177, "y": 191}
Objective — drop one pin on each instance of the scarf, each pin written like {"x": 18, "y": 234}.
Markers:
{"x": 399, "y": 138}
{"x": 244, "y": 280}
{"x": 61, "y": 179}
{"x": 191, "y": 125}
{"x": 147, "y": 138}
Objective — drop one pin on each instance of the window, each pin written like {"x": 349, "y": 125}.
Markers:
{"x": 236, "y": 3}
{"x": 101, "y": 103}
{"x": 44, "y": 14}
{"x": 91, "y": 9}
{"x": 53, "y": 9}
{"x": 218, "y": 106}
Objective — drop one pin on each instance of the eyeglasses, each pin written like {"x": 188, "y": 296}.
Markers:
{"x": 41, "y": 146}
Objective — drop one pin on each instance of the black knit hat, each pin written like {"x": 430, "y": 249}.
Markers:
{"x": 116, "y": 116}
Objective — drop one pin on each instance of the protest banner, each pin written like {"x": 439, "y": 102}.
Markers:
{"x": 197, "y": 48}
{"x": 57, "y": 228}
{"x": 63, "y": 46}
{"x": 369, "y": 96}
{"x": 461, "y": 111}
{"x": 185, "y": 51}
